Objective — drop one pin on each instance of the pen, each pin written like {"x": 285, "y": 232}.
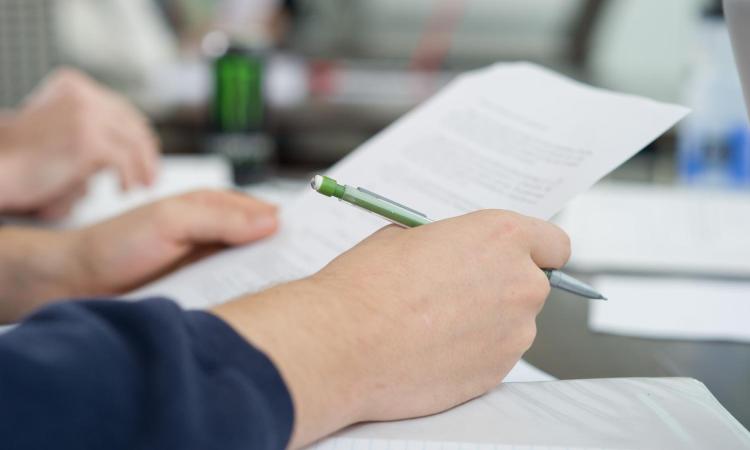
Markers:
{"x": 409, "y": 218}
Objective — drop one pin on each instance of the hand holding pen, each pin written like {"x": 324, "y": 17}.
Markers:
{"x": 407, "y": 217}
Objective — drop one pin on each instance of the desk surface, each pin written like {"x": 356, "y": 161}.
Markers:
{"x": 567, "y": 349}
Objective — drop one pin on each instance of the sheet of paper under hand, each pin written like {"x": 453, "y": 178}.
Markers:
{"x": 512, "y": 136}
{"x": 177, "y": 174}
{"x": 619, "y": 413}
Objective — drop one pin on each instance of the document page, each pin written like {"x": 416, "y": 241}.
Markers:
{"x": 511, "y": 136}
{"x": 634, "y": 228}
{"x": 672, "y": 308}
{"x": 396, "y": 444}
{"x": 620, "y": 413}
{"x": 177, "y": 174}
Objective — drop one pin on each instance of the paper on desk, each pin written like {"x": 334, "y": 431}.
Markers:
{"x": 400, "y": 444}
{"x": 628, "y": 227}
{"x": 513, "y": 136}
{"x": 177, "y": 174}
{"x": 624, "y": 413}
{"x": 672, "y": 308}
{"x": 524, "y": 372}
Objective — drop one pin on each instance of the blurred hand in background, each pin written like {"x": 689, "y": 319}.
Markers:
{"x": 68, "y": 129}
{"x": 39, "y": 266}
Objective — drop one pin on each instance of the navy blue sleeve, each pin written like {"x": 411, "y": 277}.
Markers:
{"x": 145, "y": 375}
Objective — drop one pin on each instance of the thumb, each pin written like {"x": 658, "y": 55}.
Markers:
{"x": 220, "y": 217}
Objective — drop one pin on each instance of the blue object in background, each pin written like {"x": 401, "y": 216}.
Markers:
{"x": 691, "y": 158}
{"x": 712, "y": 140}
{"x": 738, "y": 144}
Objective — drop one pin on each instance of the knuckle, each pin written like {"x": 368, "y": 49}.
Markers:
{"x": 533, "y": 296}
{"x": 67, "y": 74}
{"x": 71, "y": 83}
{"x": 498, "y": 215}
{"x": 539, "y": 285}
{"x": 490, "y": 381}
{"x": 503, "y": 224}
{"x": 81, "y": 131}
{"x": 562, "y": 249}
{"x": 193, "y": 196}
{"x": 163, "y": 212}
{"x": 566, "y": 245}
{"x": 77, "y": 102}
{"x": 534, "y": 289}
{"x": 528, "y": 335}
{"x": 202, "y": 196}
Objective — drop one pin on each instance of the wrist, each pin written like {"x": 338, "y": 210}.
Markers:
{"x": 12, "y": 167}
{"x": 30, "y": 270}
{"x": 302, "y": 330}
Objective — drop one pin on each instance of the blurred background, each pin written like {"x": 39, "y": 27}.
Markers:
{"x": 276, "y": 90}
{"x": 285, "y": 86}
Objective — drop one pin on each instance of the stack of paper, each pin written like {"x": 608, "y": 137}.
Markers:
{"x": 629, "y": 227}
{"x": 675, "y": 259}
{"x": 177, "y": 174}
{"x": 625, "y": 413}
{"x": 672, "y": 308}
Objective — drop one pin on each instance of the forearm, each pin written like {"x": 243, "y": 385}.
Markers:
{"x": 319, "y": 356}
{"x": 33, "y": 267}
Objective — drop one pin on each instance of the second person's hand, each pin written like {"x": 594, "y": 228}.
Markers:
{"x": 112, "y": 257}
{"x": 67, "y": 130}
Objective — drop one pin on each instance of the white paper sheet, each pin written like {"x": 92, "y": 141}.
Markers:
{"x": 398, "y": 444}
{"x": 524, "y": 372}
{"x": 659, "y": 229}
{"x": 512, "y": 136}
{"x": 177, "y": 174}
{"x": 621, "y": 413}
{"x": 672, "y": 308}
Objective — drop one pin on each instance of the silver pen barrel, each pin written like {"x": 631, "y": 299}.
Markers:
{"x": 567, "y": 283}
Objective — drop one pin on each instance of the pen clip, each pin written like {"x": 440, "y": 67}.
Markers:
{"x": 380, "y": 197}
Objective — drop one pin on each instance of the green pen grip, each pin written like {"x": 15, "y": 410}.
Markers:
{"x": 383, "y": 208}
{"x": 369, "y": 201}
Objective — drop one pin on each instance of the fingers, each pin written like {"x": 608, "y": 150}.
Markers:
{"x": 130, "y": 150}
{"x": 98, "y": 149}
{"x": 220, "y": 217}
{"x": 134, "y": 156}
{"x": 117, "y": 134}
{"x": 549, "y": 244}
{"x": 130, "y": 128}
{"x": 132, "y": 147}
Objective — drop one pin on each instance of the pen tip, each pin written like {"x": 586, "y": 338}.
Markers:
{"x": 601, "y": 297}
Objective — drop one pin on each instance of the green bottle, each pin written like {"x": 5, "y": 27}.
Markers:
{"x": 239, "y": 104}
